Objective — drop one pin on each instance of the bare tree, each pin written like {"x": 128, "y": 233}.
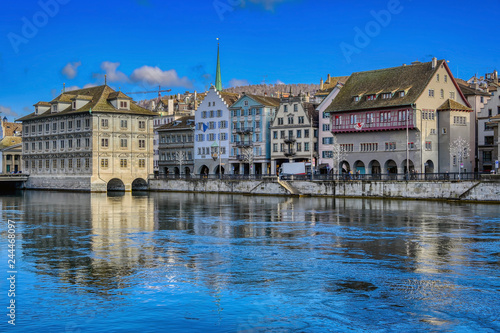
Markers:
{"x": 248, "y": 157}
{"x": 459, "y": 151}
{"x": 180, "y": 157}
{"x": 338, "y": 155}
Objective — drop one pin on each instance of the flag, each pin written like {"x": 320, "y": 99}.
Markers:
{"x": 358, "y": 126}
{"x": 205, "y": 127}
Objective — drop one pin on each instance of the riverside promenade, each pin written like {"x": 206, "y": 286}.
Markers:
{"x": 483, "y": 188}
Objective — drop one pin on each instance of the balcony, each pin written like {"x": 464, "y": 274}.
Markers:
{"x": 290, "y": 152}
{"x": 240, "y": 157}
{"x": 244, "y": 130}
{"x": 290, "y": 139}
{"x": 243, "y": 144}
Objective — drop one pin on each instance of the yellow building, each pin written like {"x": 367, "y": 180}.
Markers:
{"x": 94, "y": 139}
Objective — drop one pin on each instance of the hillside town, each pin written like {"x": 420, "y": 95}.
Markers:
{"x": 413, "y": 119}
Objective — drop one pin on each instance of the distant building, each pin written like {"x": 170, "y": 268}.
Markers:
{"x": 11, "y": 154}
{"x": 487, "y": 124}
{"x": 251, "y": 117}
{"x": 294, "y": 132}
{"x": 415, "y": 113}
{"x": 92, "y": 139}
{"x": 176, "y": 147}
{"x": 329, "y": 85}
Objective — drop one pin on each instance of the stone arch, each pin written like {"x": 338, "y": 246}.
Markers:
{"x": 116, "y": 184}
{"x": 177, "y": 171}
{"x": 344, "y": 166}
{"x": 390, "y": 167}
{"x": 429, "y": 166}
{"x": 139, "y": 184}
{"x": 204, "y": 170}
{"x": 374, "y": 167}
{"x": 216, "y": 170}
{"x": 403, "y": 166}
{"x": 359, "y": 167}
{"x": 187, "y": 171}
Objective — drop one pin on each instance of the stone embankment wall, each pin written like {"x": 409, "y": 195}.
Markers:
{"x": 485, "y": 191}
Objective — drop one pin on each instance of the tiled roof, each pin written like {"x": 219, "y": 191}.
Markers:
{"x": 178, "y": 124}
{"x": 331, "y": 83}
{"x": 229, "y": 98}
{"x": 99, "y": 103}
{"x": 453, "y": 105}
{"x": 10, "y": 128}
{"x": 117, "y": 94}
{"x": 412, "y": 79}
{"x": 265, "y": 100}
{"x": 82, "y": 97}
{"x": 468, "y": 91}
{"x": 10, "y": 141}
{"x": 42, "y": 104}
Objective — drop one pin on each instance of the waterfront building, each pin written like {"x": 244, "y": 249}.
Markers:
{"x": 251, "y": 117}
{"x": 388, "y": 118}
{"x": 11, "y": 154}
{"x": 91, "y": 139}
{"x": 487, "y": 141}
{"x": 176, "y": 147}
{"x": 294, "y": 132}
{"x": 325, "y": 136}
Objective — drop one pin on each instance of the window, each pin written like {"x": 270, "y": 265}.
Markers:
{"x": 40, "y": 128}
{"x": 431, "y": 92}
{"x": 369, "y": 118}
{"x": 443, "y": 130}
{"x": 275, "y": 134}
{"x": 54, "y": 108}
{"x": 326, "y": 127}
{"x": 280, "y": 121}
{"x": 295, "y": 108}
{"x": 386, "y": 95}
{"x": 104, "y": 163}
{"x": 371, "y": 97}
{"x": 338, "y": 120}
{"x": 437, "y": 77}
{"x": 54, "y": 164}
{"x": 442, "y": 93}
{"x": 104, "y": 142}
{"x": 123, "y": 124}
{"x": 306, "y": 146}
{"x": 428, "y": 145}
{"x": 452, "y": 94}
{"x": 402, "y": 115}
{"x": 104, "y": 122}
{"x": 282, "y": 147}
{"x": 204, "y": 114}
{"x": 327, "y": 141}
{"x": 47, "y": 145}
{"x": 123, "y": 163}
{"x": 47, "y": 127}
{"x": 61, "y": 143}
{"x": 390, "y": 146}
{"x": 87, "y": 122}
{"x": 223, "y": 136}
{"x": 327, "y": 154}
{"x": 347, "y": 147}
{"x": 299, "y": 146}
{"x": 306, "y": 133}
{"x": 123, "y": 143}
{"x": 54, "y": 126}
{"x": 61, "y": 125}
{"x": 356, "y": 98}
{"x": 275, "y": 147}
{"x": 257, "y": 124}
{"x": 285, "y": 108}
{"x": 78, "y": 123}
{"x": 282, "y": 134}
{"x": 78, "y": 163}
{"x": 299, "y": 134}
{"x": 142, "y": 124}
{"x": 489, "y": 140}
{"x": 482, "y": 99}
{"x": 446, "y": 78}
{"x": 70, "y": 163}
{"x": 142, "y": 143}
{"x": 353, "y": 119}
{"x": 433, "y": 131}
{"x": 301, "y": 118}
{"x": 54, "y": 144}
{"x": 70, "y": 124}
{"x": 211, "y": 124}
{"x": 401, "y": 94}
{"x": 487, "y": 156}
{"x": 87, "y": 142}
{"x": 246, "y": 103}
{"x": 87, "y": 162}
{"x": 142, "y": 163}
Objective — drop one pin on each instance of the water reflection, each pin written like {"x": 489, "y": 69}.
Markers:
{"x": 266, "y": 263}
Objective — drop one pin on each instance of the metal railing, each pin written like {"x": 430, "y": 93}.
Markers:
{"x": 449, "y": 176}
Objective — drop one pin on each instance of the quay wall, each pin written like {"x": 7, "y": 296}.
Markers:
{"x": 481, "y": 191}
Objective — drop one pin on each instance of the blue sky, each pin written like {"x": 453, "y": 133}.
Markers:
{"x": 143, "y": 43}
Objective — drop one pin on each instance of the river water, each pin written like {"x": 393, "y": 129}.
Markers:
{"x": 174, "y": 262}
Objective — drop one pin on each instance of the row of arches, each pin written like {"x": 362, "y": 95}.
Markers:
{"x": 117, "y": 184}
{"x": 389, "y": 167}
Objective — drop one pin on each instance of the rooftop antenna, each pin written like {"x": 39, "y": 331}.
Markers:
{"x": 105, "y": 80}
{"x": 64, "y": 87}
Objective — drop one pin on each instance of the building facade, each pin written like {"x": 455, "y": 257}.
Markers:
{"x": 212, "y": 131}
{"x": 176, "y": 147}
{"x": 93, "y": 139}
{"x": 410, "y": 115}
{"x": 294, "y": 133}
{"x": 251, "y": 117}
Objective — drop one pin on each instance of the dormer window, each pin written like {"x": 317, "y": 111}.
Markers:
{"x": 401, "y": 94}
{"x": 386, "y": 95}
{"x": 371, "y": 97}
{"x": 356, "y": 98}
{"x": 123, "y": 105}
{"x": 54, "y": 107}
{"x": 74, "y": 105}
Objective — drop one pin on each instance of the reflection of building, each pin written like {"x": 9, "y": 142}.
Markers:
{"x": 251, "y": 117}
{"x": 88, "y": 139}
{"x": 176, "y": 147}
{"x": 294, "y": 132}
{"x": 375, "y": 110}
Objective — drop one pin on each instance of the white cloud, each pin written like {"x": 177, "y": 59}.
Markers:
{"x": 156, "y": 76}
{"x": 89, "y": 85}
{"x": 7, "y": 112}
{"x": 279, "y": 82}
{"x": 71, "y": 88}
{"x": 238, "y": 83}
{"x": 112, "y": 75}
{"x": 71, "y": 69}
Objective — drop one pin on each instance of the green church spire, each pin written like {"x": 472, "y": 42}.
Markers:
{"x": 218, "y": 81}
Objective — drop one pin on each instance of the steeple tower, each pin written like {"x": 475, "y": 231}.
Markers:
{"x": 218, "y": 81}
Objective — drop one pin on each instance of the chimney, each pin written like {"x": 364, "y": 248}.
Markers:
{"x": 265, "y": 94}
{"x": 328, "y": 78}
{"x": 321, "y": 84}
{"x": 195, "y": 100}
{"x": 434, "y": 62}
{"x": 495, "y": 76}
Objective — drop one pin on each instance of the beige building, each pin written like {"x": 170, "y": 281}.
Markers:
{"x": 94, "y": 139}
